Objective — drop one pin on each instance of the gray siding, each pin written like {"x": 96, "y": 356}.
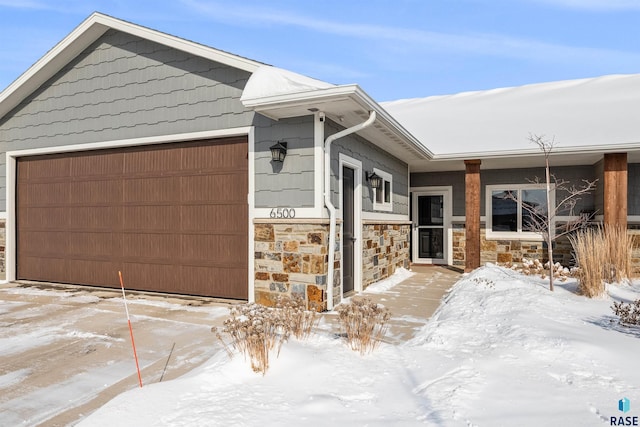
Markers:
{"x": 290, "y": 184}
{"x": 573, "y": 174}
{"x": 125, "y": 87}
{"x": 371, "y": 157}
{"x": 454, "y": 179}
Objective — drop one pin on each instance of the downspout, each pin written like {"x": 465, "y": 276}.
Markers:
{"x": 327, "y": 198}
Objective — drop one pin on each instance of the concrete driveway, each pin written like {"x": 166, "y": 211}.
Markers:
{"x": 64, "y": 352}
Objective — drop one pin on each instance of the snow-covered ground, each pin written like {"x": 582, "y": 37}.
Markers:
{"x": 501, "y": 350}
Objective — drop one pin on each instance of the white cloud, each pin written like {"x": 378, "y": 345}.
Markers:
{"x": 595, "y": 5}
{"x": 23, "y": 4}
{"x": 421, "y": 40}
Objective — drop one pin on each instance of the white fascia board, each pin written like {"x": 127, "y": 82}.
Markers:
{"x": 577, "y": 149}
{"x": 178, "y": 43}
{"x": 293, "y": 99}
{"x": 90, "y": 30}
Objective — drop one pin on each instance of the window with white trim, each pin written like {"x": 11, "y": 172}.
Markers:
{"x": 511, "y": 209}
{"x": 383, "y": 196}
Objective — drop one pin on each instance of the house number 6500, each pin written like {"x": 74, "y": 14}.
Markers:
{"x": 282, "y": 213}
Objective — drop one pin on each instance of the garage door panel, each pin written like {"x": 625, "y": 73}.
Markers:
{"x": 101, "y": 164}
{"x": 214, "y": 218}
{"x": 159, "y": 159}
{"x": 93, "y": 272}
{"x": 214, "y": 247}
{"x": 220, "y": 188}
{"x": 43, "y": 268}
{"x": 99, "y": 218}
{"x": 46, "y": 243}
{"x": 96, "y": 192}
{"x": 165, "y": 278}
{"x": 44, "y": 218}
{"x": 44, "y": 194}
{"x": 151, "y": 218}
{"x": 151, "y": 190}
{"x": 152, "y": 247}
{"x": 93, "y": 245}
{"x": 223, "y": 280}
{"x": 49, "y": 167}
{"x": 172, "y": 217}
{"x": 231, "y": 155}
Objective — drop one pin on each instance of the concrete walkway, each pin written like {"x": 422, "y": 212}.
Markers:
{"x": 411, "y": 302}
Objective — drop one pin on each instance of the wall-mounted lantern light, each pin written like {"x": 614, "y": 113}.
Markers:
{"x": 374, "y": 180}
{"x": 278, "y": 151}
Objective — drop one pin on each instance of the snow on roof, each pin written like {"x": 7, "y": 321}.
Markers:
{"x": 269, "y": 81}
{"x": 576, "y": 113}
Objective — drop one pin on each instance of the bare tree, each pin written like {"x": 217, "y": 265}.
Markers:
{"x": 543, "y": 219}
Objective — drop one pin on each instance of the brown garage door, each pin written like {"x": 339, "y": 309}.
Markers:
{"x": 171, "y": 217}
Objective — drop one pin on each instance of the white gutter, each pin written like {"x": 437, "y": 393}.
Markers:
{"x": 327, "y": 198}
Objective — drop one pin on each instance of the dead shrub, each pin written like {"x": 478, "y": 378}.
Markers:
{"x": 256, "y": 330}
{"x": 298, "y": 319}
{"x": 364, "y": 322}
{"x": 628, "y": 313}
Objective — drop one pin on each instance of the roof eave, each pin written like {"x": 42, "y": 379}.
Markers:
{"x": 291, "y": 104}
{"x": 576, "y": 149}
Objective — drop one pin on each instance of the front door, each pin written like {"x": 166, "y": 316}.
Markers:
{"x": 430, "y": 227}
{"x": 348, "y": 228}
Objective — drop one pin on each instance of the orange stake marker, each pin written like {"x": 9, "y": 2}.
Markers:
{"x": 133, "y": 344}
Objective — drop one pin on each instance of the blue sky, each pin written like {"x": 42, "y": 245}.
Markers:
{"x": 392, "y": 49}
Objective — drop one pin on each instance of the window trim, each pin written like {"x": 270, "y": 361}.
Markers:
{"x": 384, "y": 206}
{"x": 515, "y": 235}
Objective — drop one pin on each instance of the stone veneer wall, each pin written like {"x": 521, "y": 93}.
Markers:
{"x": 291, "y": 259}
{"x": 385, "y": 247}
{"x": 507, "y": 251}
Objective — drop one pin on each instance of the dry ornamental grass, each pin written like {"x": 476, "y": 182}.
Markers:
{"x": 256, "y": 330}
{"x": 364, "y": 322}
{"x": 603, "y": 255}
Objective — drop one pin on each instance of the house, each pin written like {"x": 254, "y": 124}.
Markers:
{"x": 196, "y": 171}
{"x": 481, "y": 149}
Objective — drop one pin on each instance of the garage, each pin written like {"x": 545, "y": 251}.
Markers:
{"x": 172, "y": 217}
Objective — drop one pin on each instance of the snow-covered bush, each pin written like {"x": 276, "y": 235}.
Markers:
{"x": 297, "y": 318}
{"x": 535, "y": 267}
{"x": 364, "y": 322}
{"x": 629, "y": 313}
{"x": 256, "y": 330}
